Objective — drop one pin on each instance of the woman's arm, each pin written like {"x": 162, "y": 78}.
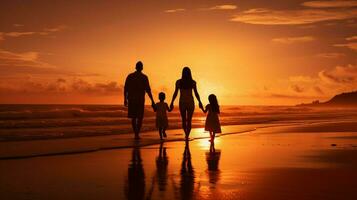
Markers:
{"x": 197, "y": 96}
{"x": 204, "y": 109}
{"x": 174, "y": 96}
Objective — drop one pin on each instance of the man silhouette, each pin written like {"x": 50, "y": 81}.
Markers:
{"x": 136, "y": 84}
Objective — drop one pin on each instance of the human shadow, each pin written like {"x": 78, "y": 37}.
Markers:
{"x": 135, "y": 183}
{"x": 187, "y": 183}
{"x": 212, "y": 159}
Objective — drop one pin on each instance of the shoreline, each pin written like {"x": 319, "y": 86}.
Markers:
{"x": 10, "y": 150}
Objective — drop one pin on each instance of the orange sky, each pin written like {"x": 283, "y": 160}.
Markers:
{"x": 246, "y": 52}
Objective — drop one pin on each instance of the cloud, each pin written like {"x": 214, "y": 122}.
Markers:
{"x": 18, "y": 34}
{"x": 85, "y": 87}
{"x": 12, "y": 63}
{"x": 352, "y": 38}
{"x": 279, "y": 95}
{"x": 18, "y": 25}
{"x": 222, "y": 7}
{"x": 297, "y": 88}
{"x": 175, "y": 10}
{"x": 330, "y": 55}
{"x": 340, "y": 75}
{"x": 323, "y": 85}
{"x": 30, "y": 58}
{"x": 45, "y": 31}
{"x": 62, "y": 86}
{"x": 261, "y": 16}
{"x": 55, "y": 29}
{"x": 352, "y": 45}
{"x": 318, "y": 90}
{"x": 330, "y": 4}
{"x": 293, "y": 40}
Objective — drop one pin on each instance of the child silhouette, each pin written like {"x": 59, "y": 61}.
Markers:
{"x": 212, "y": 121}
{"x": 161, "y": 117}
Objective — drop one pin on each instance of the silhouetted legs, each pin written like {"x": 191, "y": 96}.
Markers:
{"x": 162, "y": 132}
{"x": 186, "y": 116}
{"x": 212, "y": 136}
{"x": 136, "y": 124}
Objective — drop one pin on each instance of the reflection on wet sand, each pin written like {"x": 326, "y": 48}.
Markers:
{"x": 187, "y": 183}
{"x": 212, "y": 158}
{"x": 162, "y": 162}
{"x": 135, "y": 184}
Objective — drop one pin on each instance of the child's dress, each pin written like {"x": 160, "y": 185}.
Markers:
{"x": 212, "y": 121}
{"x": 161, "y": 117}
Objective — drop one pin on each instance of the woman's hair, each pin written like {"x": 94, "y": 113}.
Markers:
{"x": 214, "y": 103}
{"x": 186, "y": 78}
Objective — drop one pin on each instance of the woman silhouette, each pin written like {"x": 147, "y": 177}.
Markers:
{"x": 186, "y": 104}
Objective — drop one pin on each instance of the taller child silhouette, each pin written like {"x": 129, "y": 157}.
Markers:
{"x": 136, "y": 84}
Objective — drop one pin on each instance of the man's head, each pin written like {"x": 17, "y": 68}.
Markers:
{"x": 139, "y": 66}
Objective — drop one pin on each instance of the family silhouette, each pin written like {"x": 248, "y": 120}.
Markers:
{"x": 137, "y": 84}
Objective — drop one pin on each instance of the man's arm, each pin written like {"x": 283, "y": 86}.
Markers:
{"x": 148, "y": 91}
{"x": 126, "y": 92}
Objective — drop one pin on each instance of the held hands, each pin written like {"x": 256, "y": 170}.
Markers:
{"x": 153, "y": 105}
{"x": 171, "y": 106}
{"x": 200, "y": 105}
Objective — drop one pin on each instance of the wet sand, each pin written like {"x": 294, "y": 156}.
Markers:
{"x": 306, "y": 161}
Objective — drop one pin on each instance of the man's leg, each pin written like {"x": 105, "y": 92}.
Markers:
{"x": 134, "y": 126}
{"x": 139, "y": 122}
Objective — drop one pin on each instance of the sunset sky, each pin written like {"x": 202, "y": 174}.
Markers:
{"x": 251, "y": 52}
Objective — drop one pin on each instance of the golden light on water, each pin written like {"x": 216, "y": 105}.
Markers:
{"x": 205, "y": 143}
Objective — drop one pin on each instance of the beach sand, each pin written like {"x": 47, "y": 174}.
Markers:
{"x": 296, "y": 161}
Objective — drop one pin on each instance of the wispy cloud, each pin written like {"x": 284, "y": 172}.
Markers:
{"x": 45, "y": 31}
{"x": 323, "y": 84}
{"x": 330, "y": 4}
{"x": 175, "y": 10}
{"x": 261, "y": 16}
{"x": 351, "y": 45}
{"x": 62, "y": 87}
{"x": 340, "y": 75}
{"x": 18, "y": 25}
{"x": 293, "y": 40}
{"x": 331, "y": 55}
{"x": 222, "y": 7}
{"x": 352, "y": 38}
{"x": 30, "y": 58}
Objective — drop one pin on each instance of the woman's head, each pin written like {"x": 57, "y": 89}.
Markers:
{"x": 214, "y": 103}
{"x": 162, "y": 96}
{"x": 186, "y": 74}
{"x": 186, "y": 78}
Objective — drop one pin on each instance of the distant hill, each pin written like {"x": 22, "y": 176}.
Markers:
{"x": 344, "y": 99}
{"x": 349, "y": 98}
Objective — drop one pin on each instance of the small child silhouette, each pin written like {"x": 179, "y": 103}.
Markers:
{"x": 212, "y": 121}
{"x": 161, "y": 117}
